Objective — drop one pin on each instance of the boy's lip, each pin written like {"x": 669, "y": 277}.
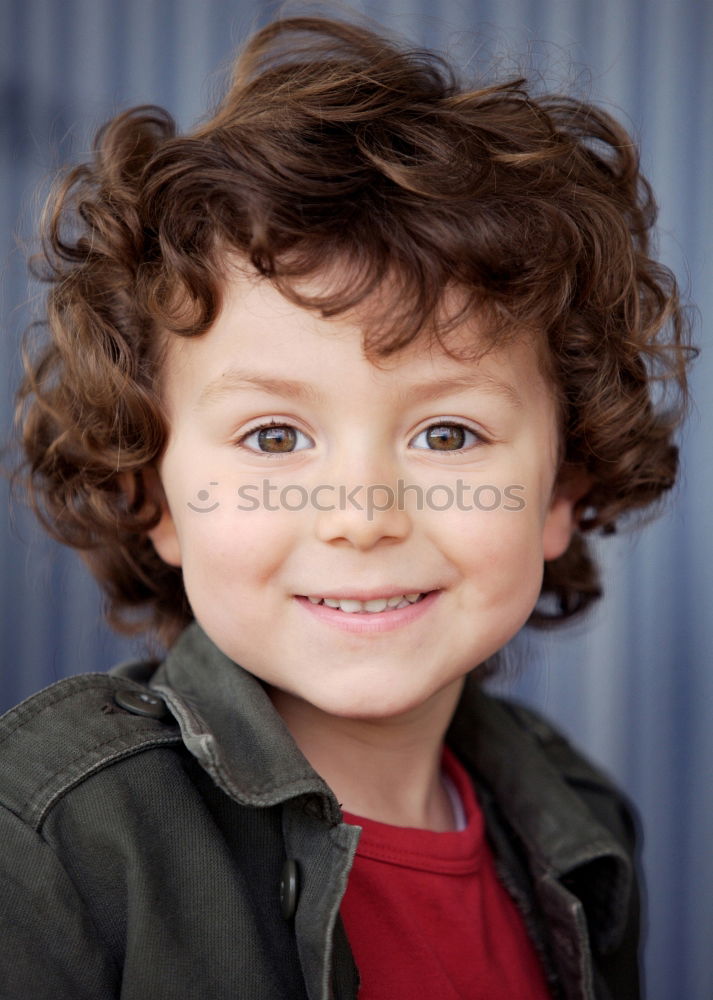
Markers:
{"x": 369, "y": 624}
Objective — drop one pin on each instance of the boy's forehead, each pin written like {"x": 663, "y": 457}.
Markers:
{"x": 260, "y": 330}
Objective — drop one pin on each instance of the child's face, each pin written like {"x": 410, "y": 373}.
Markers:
{"x": 248, "y": 570}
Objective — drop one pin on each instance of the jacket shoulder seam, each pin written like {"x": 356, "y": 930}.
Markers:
{"x": 45, "y": 798}
{"x": 59, "y": 737}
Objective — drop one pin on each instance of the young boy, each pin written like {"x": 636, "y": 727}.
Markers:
{"x": 334, "y": 386}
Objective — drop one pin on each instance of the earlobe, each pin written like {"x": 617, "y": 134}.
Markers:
{"x": 559, "y": 526}
{"x": 163, "y": 535}
{"x": 165, "y": 538}
{"x": 561, "y": 519}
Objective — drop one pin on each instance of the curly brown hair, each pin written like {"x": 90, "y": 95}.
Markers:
{"x": 334, "y": 143}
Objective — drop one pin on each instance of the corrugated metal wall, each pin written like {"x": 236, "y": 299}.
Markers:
{"x": 635, "y": 686}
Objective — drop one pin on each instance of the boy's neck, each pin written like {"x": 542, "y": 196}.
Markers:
{"x": 387, "y": 770}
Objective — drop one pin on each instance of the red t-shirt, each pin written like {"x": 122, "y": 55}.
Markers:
{"x": 427, "y": 918}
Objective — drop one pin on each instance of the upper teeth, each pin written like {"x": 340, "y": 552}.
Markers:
{"x": 350, "y": 605}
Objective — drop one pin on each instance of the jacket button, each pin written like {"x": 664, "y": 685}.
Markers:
{"x": 289, "y": 889}
{"x": 141, "y": 703}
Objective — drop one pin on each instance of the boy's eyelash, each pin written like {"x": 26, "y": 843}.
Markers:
{"x": 480, "y": 438}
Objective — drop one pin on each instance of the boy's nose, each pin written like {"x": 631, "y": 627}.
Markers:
{"x": 363, "y": 515}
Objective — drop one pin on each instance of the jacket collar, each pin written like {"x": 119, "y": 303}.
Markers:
{"x": 228, "y": 722}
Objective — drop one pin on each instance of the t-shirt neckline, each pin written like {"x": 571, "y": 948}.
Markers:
{"x": 453, "y": 852}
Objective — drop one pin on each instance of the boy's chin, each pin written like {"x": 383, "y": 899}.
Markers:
{"x": 372, "y": 704}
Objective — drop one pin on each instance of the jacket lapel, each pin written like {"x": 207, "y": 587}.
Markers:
{"x": 581, "y": 874}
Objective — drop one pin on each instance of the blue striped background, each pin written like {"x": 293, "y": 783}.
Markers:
{"x": 635, "y": 686}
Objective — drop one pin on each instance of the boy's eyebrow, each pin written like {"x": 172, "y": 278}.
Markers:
{"x": 426, "y": 391}
{"x": 236, "y": 378}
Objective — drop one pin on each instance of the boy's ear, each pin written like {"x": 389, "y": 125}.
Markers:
{"x": 561, "y": 519}
{"x": 163, "y": 535}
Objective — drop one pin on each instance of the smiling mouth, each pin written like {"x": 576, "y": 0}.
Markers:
{"x": 378, "y": 605}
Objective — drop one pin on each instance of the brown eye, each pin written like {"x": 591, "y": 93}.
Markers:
{"x": 274, "y": 439}
{"x": 446, "y": 437}
{"x": 277, "y": 439}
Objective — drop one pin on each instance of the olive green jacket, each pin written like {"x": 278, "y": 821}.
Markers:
{"x": 170, "y": 842}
